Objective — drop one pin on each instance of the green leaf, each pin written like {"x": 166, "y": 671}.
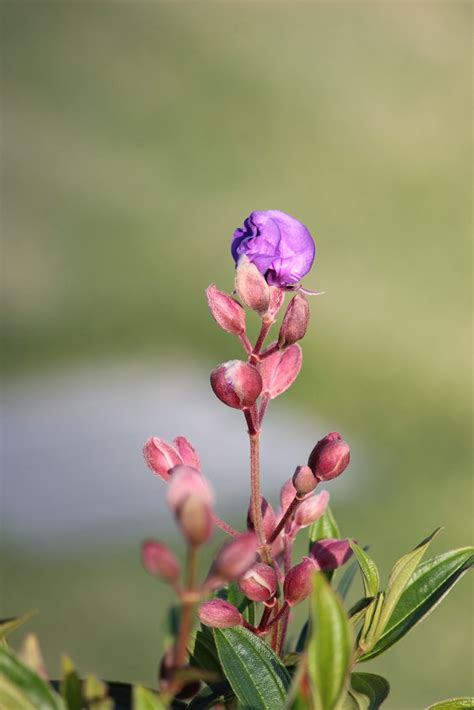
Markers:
{"x": 323, "y": 528}
{"x": 399, "y": 578}
{"x": 12, "y": 698}
{"x": 367, "y": 692}
{"x": 346, "y": 580}
{"x": 96, "y": 693}
{"x": 330, "y": 644}
{"x": 29, "y": 683}
{"x": 9, "y": 625}
{"x": 204, "y": 654}
{"x": 144, "y": 699}
{"x": 301, "y": 643}
{"x": 360, "y": 609}
{"x": 255, "y": 673}
{"x": 453, "y": 704}
{"x": 70, "y": 685}
{"x": 368, "y": 569}
{"x": 428, "y": 585}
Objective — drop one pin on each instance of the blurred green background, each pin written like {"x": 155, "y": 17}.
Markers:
{"x": 137, "y": 136}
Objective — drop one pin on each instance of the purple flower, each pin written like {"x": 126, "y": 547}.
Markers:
{"x": 280, "y": 247}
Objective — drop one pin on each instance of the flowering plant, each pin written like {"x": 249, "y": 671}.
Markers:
{"x": 242, "y": 656}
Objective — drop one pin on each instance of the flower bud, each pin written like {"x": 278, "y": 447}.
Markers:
{"x": 280, "y": 370}
{"x": 226, "y": 311}
{"x": 259, "y": 583}
{"x": 236, "y": 383}
{"x": 188, "y": 454}
{"x": 159, "y": 561}
{"x": 331, "y": 553}
{"x": 235, "y": 558}
{"x": 287, "y": 494}
{"x": 268, "y": 517}
{"x": 186, "y": 481}
{"x": 330, "y": 457}
{"x": 160, "y": 457}
{"x": 219, "y": 614}
{"x": 304, "y": 481}
{"x": 295, "y": 321}
{"x": 194, "y": 518}
{"x": 277, "y": 298}
{"x": 311, "y": 509}
{"x": 299, "y": 581}
{"x": 251, "y": 286}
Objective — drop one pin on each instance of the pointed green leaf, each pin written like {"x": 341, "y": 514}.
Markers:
{"x": 12, "y": 698}
{"x": 96, "y": 693}
{"x": 399, "y": 578}
{"x": 70, "y": 685}
{"x": 368, "y": 569}
{"x": 301, "y": 643}
{"x": 144, "y": 699}
{"x": 428, "y": 585}
{"x": 204, "y": 654}
{"x": 453, "y": 704}
{"x": 323, "y": 528}
{"x": 29, "y": 683}
{"x": 360, "y": 609}
{"x": 9, "y": 625}
{"x": 367, "y": 692}
{"x": 330, "y": 644}
{"x": 256, "y": 674}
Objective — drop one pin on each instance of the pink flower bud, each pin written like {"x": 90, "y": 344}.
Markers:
{"x": 251, "y": 286}
{"x": 226, "y": 311}
{"x": 194, "y": 518}
{"x": 330, "y": 457}
{"x": 236, "y": 383}
{"x": 311, "y": 509}
{"x": 268, "y": 518}
{"x": 259, "y": 583}
{"x": 330, "y": 553}
{"x": 299, "y": 581}
{"x": 295, "y": 321}
{"x": 277, "y": 298}
{"x": 287, "y": 494}
{"x": 160, "y": 456}
{"x": 235, "y": 558}
{"x": 280, "y": 370}
{"x": 159, "y": 561}
{"x": 304, "y": 481}
{"x": 219, "y": 614}
{"x": 186, "y": 482}
{"x": 188, "y": 454}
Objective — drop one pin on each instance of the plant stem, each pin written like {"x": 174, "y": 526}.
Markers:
{"x": 225, "y": 526}
{"x": 246, "y": 343}
{"x": 255, "y": 497}
{"x": 288, "y": 513}
{"x": 266, "y": 325}
{"x": 186, "y": 610}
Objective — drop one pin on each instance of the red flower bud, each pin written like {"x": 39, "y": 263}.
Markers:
{"x": 330, "y": 457}
{"x": 160, "y": 456}
{"x": 226, "y": 311}
{"x": 299, "y": 581}
{"x": 251, "y": 286}
{"x": 188, "y": 454}
{"x": 194, "y": 518}
{"x": 311, "y": 509}
{"x": 186, "y": 481}
{"x": 259, "y": 583}
{"x": 280, "y": 370}
{"x": 219, "y": 614}
{"x": 235, "y": 558}
{"x": 268, "y": 518}
{"x": 287, "y": 494}
{"x": 330, "y": 553}
{"x": 236, "y": 383}
{"x": 159, "y": 561}
{"x": 304, "y": 481}
{"x": 295, "y": 321}
{"x": 191, "y": 498}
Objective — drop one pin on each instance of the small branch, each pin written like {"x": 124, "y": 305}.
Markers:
{"x": 269, "y": 351}
{"x": 266, "y": 325}
{"x": 277, "y": 616}
{"x": 251, "y": 419}
{"x": 265, "y": 616}
{"x": 225, "y": 526}
{"x": 246, "y": 343}
{"x": 288, "y": 513}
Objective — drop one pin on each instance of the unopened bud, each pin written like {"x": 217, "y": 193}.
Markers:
{"x": 226, "y": 311}
{"x": 188, "y": 454}
{"x": 251, "y": 286}
{"x": 236, "y": 383}
{"x": 330, "y": 457}
{"x": 330, "y": 553}
{"x": 160, "y": 456}
{"x": 159, "y": 561}
{"x": 187, "y": 481}
{"x": 259, "y": 583}
{"x": 280, "y": 370}
{"x": 299, "y": 581}
{"x": 235, "y": 558}
{"x": 219, "y": 614}
{"x": 311, "y": 509}
{"x": 194, "y": 518}
{"x": 268, "y": 517}
{"x": 287, "y": 494}
{"x": 304, "y": 481}
{"x": 277, "y": 298}
{"x": 295, "y": 321}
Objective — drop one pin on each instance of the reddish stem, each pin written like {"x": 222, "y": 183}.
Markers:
{"x": 225, "y": 526}
{"x": 288, "y": 513}
{"x": 246, "y": 343}
{"x": 266, "y": 325}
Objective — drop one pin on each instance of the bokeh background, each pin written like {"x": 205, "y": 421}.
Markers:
{"x": 136, "y": 137}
